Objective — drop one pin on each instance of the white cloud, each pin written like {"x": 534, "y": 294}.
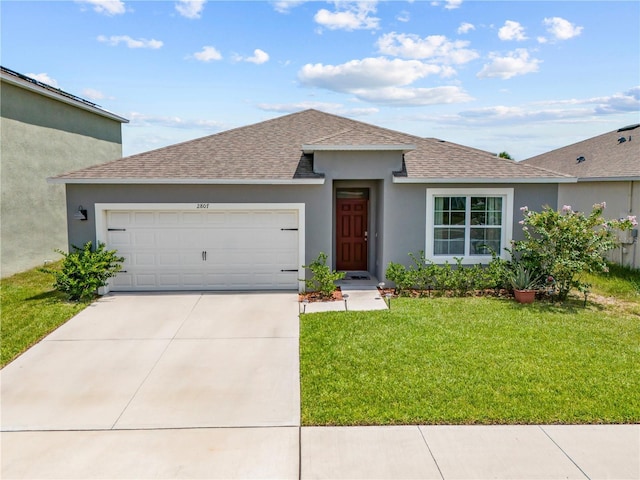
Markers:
{"x": 259, "y": 57}
{"x": 562, "y": 29}
{"x": 335, "y": 108}
{"x": 368, "y": 73}
{"x": 512, "y": 31}
{"x": 207, "y": 54}
{"x": 190, "y": 8}
{"x": 570, "y": 110}
{"x": 349, "y": 16}
{"x": 436, "y": 47}
{"x": 466, "y": 27}
{"x": 106, "y": 7}
{"x": 115, "y": 40}
{"x": 92, "y": 94}
{"x": 43, "y": 78}
{"x": 413, "y": 96}
{"x": 140, "y": 119}
{"x": 403, "y": 16}
{"x": 285, "y": 6}
{"x": 380, "y": 80}
{"x": 448, "y": 4}
{"x": 515, "y": 63}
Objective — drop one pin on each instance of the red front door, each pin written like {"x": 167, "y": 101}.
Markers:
{"x": 351, "y": 234}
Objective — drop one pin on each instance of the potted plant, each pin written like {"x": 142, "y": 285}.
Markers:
{"x": 524, "y": 284}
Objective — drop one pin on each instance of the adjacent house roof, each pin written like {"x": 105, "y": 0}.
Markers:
{"x": 28, "y": 83}
{"x": 608, "y": 157}
{"x": 281, "y": 150}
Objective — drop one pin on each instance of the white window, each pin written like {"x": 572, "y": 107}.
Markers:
{"x": 468, "y": 223}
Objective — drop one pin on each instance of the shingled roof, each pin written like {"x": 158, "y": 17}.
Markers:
{"x": 280, "y": 151}
{"x": 612, "y": 156}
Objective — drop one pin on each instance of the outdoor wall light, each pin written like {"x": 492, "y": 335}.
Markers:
{"x": 81, "y": 213}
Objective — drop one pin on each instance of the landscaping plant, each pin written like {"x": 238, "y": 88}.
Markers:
{"x": 457, "y": 280}
{"x": 323, "y": 277}
{"x": 562, "y": 244}
{"x": 85, "y": 270}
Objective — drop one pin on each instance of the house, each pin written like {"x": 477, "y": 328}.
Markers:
{"x": 247, "y": 208}
{"x": 44, "y": 131}
{"x": 608, "y": 170}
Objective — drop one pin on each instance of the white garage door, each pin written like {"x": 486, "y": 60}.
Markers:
{"x": 206, "y": 248}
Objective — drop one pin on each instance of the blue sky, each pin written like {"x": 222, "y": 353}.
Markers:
{"x": 525, "y": 77}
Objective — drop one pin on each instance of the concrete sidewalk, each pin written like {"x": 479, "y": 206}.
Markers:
{"x": 472, "y": 452}
{"x": 207, "y": 386}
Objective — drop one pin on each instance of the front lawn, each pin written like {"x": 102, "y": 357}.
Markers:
{"x": 30, "y": 309}
{"x": 470, "y": 361}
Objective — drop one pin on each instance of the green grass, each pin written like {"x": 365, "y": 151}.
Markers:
{"x": 620, "y": 282}
{"x": 30, "y": 309}
{"x": 470, "y": 361}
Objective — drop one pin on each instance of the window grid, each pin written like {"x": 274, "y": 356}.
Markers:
{"x": 468, "y": 225}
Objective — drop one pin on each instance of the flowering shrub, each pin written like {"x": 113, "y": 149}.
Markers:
{"x": 562, "y": 244}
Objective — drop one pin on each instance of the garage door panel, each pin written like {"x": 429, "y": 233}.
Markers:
{"x": 207, "y": 249}
{"x": 144, "y": 218}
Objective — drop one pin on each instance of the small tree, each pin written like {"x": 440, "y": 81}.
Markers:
{"x": 505, "y": 155}
{"x": 562, "y": 244}
{"x": 84, "y": 271}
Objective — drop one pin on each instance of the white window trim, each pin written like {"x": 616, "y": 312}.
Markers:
{"x": 507, "y": 222}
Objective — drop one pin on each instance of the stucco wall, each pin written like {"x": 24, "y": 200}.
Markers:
{"x": 315, "y": 197}
{"x": 41, "y": 138}
{"x": 398, "y": 210}
{"x": 405, "y": 214}
{"x": 622, "y": 198}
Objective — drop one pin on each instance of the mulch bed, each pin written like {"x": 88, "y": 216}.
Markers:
{"x": 318, "y": 297}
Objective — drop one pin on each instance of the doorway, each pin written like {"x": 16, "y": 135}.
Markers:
{"x": 352, "y": 229}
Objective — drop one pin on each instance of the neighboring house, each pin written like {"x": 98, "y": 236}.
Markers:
{"x": 608, "y": 170}
{"x": 44, "y": 131}
{"x": 247, "y": 208}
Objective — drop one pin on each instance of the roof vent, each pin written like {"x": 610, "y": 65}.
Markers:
{"x": 580, "y": 159}
{"x": 629, "y": 127}
{"x": 622, "y": 140}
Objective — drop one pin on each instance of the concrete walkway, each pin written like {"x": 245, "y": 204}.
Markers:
{"x": 207, "y": 386}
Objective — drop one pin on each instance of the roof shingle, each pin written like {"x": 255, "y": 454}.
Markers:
{"x": 272, "y": 151}
{"x": 612, "y": 155}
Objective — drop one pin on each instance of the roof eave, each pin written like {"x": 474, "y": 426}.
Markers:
{"x": 452, "y": 180}
{"x": 609, "y": 179}
{"x": 404, "y": 148}
{"x": 186, "y": 181}
{"x": 61, "y": 98}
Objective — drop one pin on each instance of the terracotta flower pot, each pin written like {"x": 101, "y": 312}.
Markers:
{"x": 524, "y": 296}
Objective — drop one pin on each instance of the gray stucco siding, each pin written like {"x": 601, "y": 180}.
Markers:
{"x": 404, "y": 213}
{"x": 33, "y": 211}
{"x": 31, "y": 108}
{"x": 317, "y": 200}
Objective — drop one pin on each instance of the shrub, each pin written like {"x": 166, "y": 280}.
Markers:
{"x": 323, "y": 277}
{"x": 458, "y": 280}
{"x": 562, "y": 244}
{"x": 84, "y": 271}
{"x": 401, "y": 276}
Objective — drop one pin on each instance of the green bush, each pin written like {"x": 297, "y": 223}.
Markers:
{"x": 457, "y": 279}
{"x": 559, "y": 245}
{"x": 323, "y": 277}
{"x": 84, "y": 271}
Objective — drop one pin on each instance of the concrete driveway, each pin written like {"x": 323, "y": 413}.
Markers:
{"x": 207, "y": 386}
{"x": 162, "y": 386}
